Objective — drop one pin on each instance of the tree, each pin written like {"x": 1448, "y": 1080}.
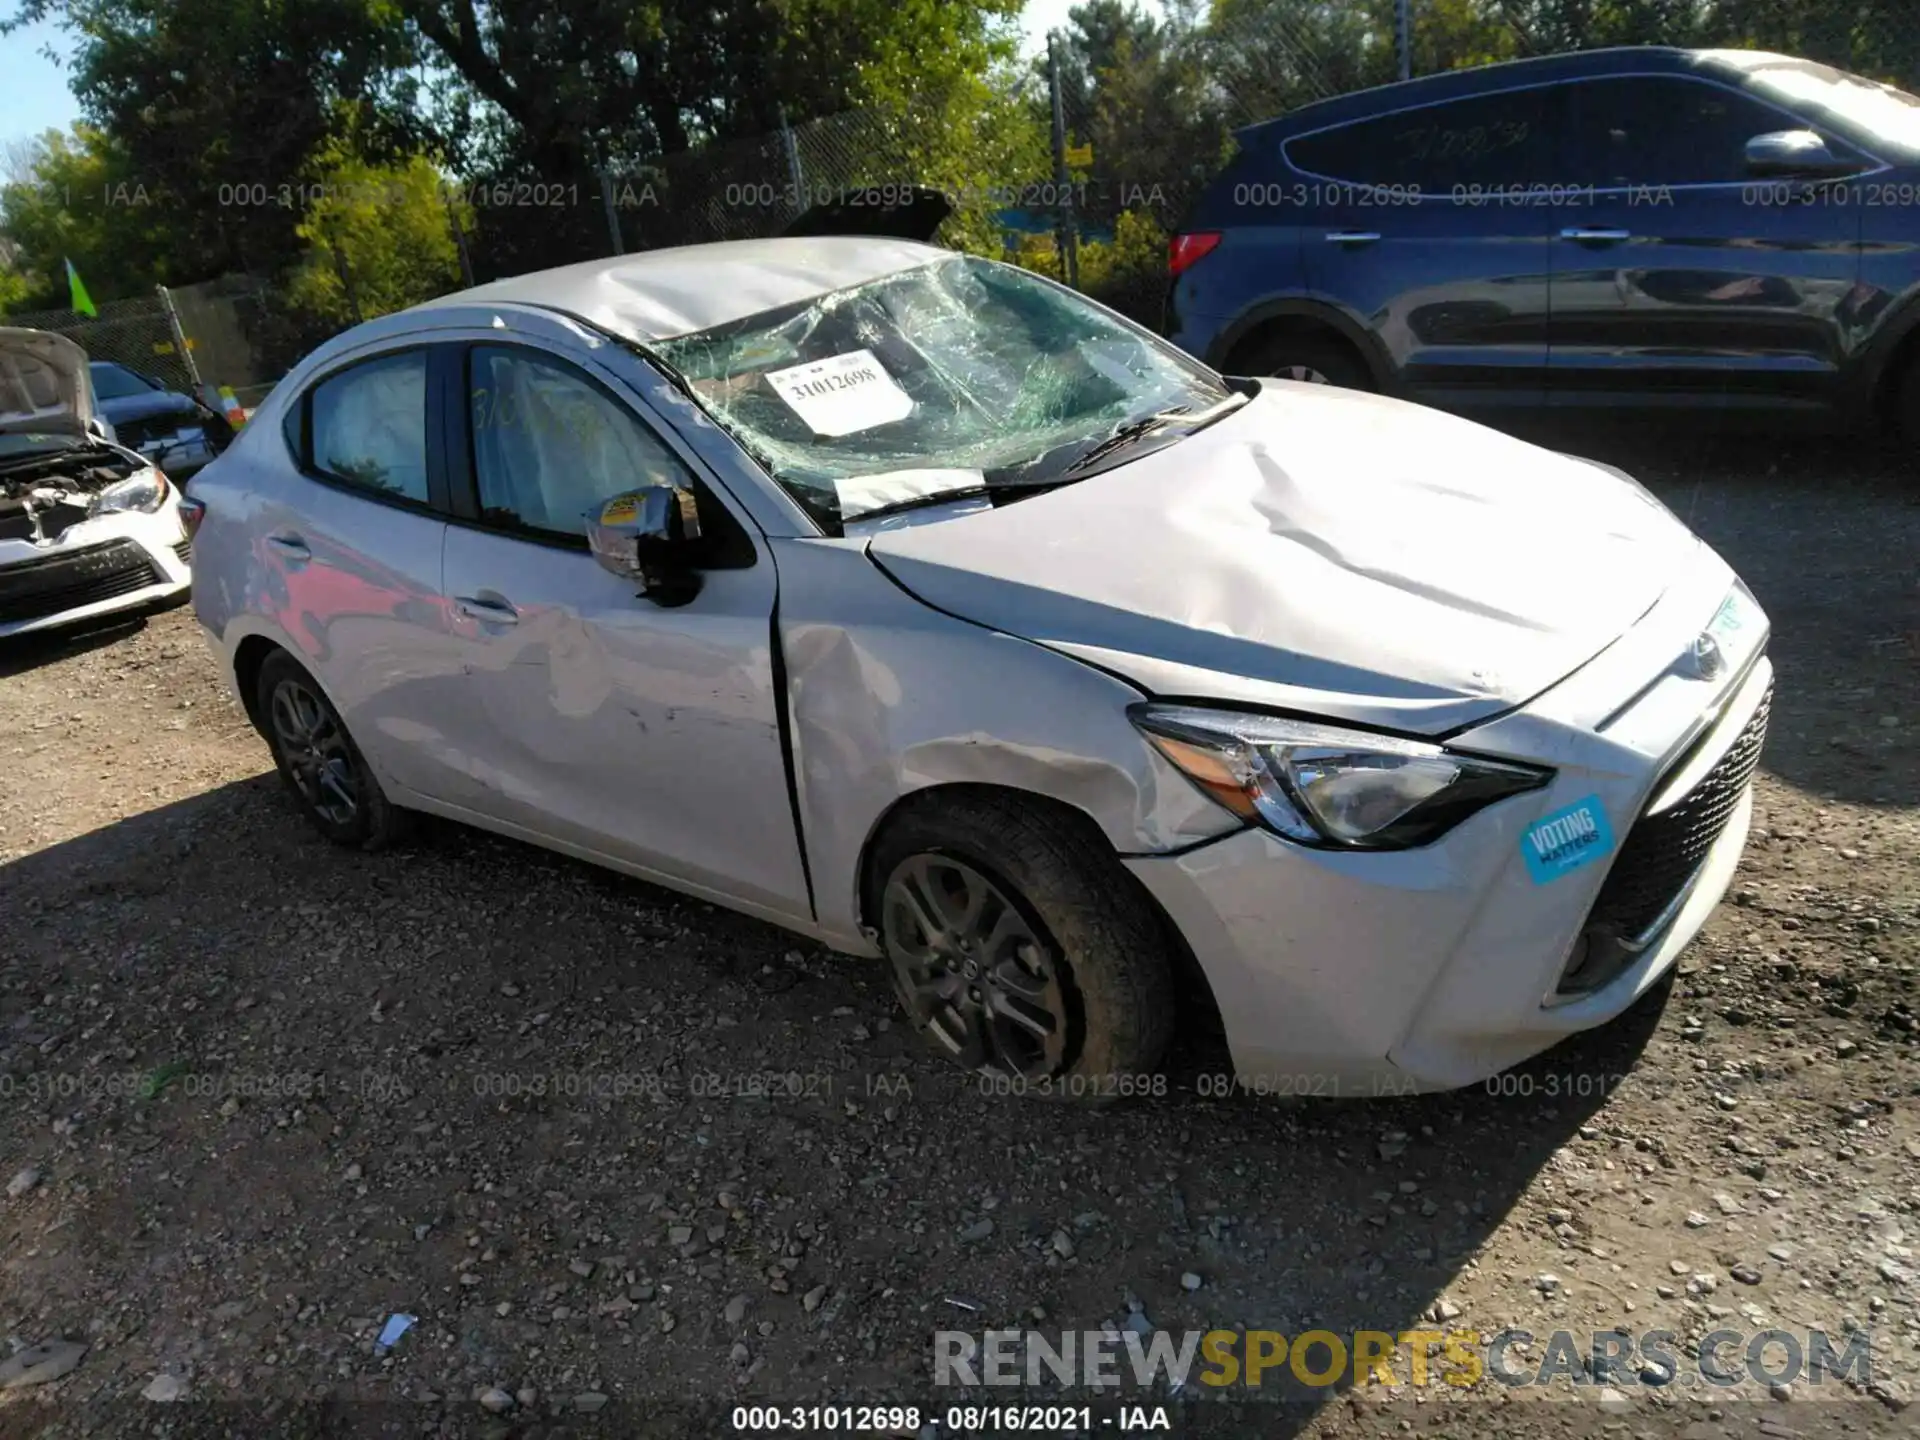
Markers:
{"x": 379, "y": 236}
{"x": 81, "y": 200}
{"x": 219, "y": 105}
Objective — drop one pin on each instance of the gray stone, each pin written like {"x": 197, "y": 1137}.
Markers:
{"x": 37, "y": 1364}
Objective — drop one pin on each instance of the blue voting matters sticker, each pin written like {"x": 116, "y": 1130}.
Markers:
{"x": 1567, "y": 839}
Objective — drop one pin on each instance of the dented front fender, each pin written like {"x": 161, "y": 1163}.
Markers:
{"x": 888, "y": 696}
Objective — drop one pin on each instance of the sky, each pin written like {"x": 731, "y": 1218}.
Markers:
{"x": 35, "y": 96}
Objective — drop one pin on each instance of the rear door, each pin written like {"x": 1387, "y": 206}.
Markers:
{"x": 1682, "y": 280}
{"x": 1429, "y": 226}
{"x": 591, "y": 715}
{"x": 346, "y": 559}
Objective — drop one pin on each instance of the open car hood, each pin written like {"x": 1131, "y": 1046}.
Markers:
{"x": 911, "y": 212}
{"x": 44, "y": 385}
{"x": 1319, "y": 551}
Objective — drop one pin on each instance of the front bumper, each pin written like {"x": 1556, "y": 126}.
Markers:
{"x": 1359, "y": 974}
{"x": 97, "y": 567}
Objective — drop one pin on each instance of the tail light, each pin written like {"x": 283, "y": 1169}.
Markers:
{"x": 1183, "y": 250}
{"x": 192, "y": 512}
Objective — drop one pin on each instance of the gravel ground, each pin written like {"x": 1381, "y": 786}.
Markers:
{"x": 256, "y": 1094}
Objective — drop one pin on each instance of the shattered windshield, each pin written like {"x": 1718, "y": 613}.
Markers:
{"x": 928, "y": 381}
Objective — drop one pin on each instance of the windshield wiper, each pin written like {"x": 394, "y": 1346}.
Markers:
{"x": 1135, "y": 431}
{"x": 942, "y": 497}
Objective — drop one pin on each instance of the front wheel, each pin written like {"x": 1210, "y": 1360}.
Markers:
{"x": 1019, "y": 946}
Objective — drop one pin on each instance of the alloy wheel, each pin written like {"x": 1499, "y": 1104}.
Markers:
{"x": 972, "y": 969}
{"x": 314, "y": 746}
{"x": 1303, "y": 372}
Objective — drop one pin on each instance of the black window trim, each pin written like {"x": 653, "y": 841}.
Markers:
{"x": 299, "y": 439}
{"x": 454, "y": 399}
{"x": 1876, "y": 164}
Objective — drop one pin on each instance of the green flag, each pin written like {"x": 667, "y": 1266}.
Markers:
{"x": 82, "y": 302}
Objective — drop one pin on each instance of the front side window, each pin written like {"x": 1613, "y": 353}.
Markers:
{"x": 1498, "y": 139}
{"x": 962, "y": 368}
{"x": 368, "y": 426}
{"x": 550, "y": 446}
{"x": 1651, "y": 130}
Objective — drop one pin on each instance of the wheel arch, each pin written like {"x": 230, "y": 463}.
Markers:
{"x": 1301, "y": 315}
{"x": 1196, "y": 990}
{"x": 248, "y": 656}
{"x": 1900, "y": 357}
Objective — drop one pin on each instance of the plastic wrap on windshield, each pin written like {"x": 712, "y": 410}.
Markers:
{"x": 960, "y": 367}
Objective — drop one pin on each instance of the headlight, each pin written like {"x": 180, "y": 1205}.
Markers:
{"x": 142, "y": 490}
{"x": 1322, "y": 785}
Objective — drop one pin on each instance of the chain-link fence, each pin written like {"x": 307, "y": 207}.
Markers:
{"x": 193, "y": 339}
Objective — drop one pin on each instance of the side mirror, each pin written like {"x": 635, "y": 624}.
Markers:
{"x": 650, "y": 536}
{"x": 1794, "y": 152}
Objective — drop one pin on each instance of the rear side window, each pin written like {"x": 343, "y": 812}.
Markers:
{"x": 1499, "y": 139}
{"x": 1662, "y": 130}
{"x": 367, "y": 426}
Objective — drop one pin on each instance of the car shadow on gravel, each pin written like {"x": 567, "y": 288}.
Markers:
{"x": 921, "y": 1199}
{"x": 22, "y": 653}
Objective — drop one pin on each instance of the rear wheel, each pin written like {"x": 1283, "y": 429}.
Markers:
{"x": 1310, "y": 356}
{"x": 1906, "y": 404}
{"x": 1020, "y": 949}
{"x": 318, "y": 760}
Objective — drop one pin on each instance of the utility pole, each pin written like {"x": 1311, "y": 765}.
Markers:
{"x": 796, "y": 177}
{"x": 179, "y": 335}
{"x": 1068, "y": 234}
{"x": 459, "y": 235}
{"x": 613, "y": 212}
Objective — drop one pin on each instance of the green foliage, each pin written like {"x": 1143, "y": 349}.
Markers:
{"x": 215, "y": 105}
{"x": 379, "y": 238}
{"x": 82, "y": 201}
{"x": 1128, "y": 272}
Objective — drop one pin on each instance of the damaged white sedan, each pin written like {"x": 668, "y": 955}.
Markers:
{"x": 88, "y": 528}
{"x": 919, "y": 605}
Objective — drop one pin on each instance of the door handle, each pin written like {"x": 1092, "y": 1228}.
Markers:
{"x": 1352, "y": 237}
{"x": 291, "y": 547}
{"x": 1595, "y": 237}
{"x": 485, "y": 611}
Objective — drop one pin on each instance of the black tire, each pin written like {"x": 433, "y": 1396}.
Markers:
{"x": 331, "y": 769}
{"x": 1102, "y": 955}
{"x": 1303, "y": 356}
{"x": 1906, "y": 406}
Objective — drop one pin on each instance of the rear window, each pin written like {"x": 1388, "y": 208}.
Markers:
{"x": 367, "y": 426}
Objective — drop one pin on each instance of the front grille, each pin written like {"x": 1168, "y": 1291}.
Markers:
{"x": 36, "y": 589}
{"x": 1663, "y": 851}
{"x": 184, "y": 549}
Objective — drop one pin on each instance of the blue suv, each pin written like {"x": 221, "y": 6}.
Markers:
{"x": 1630, "y": 228}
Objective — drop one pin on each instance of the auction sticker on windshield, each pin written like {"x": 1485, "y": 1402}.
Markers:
{"x": 842, "y": 394}
{"x": 1570, "y": 837}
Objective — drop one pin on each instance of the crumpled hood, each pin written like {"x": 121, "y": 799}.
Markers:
{"x": 44, "y": 386}
{"x": 1319, "y": 550}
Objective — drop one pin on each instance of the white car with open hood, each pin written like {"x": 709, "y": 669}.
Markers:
{"x": 87, "y": 527}
{"x": 922, "y": 606}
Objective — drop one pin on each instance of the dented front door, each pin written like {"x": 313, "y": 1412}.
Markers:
{"x": 646, "y": 734}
